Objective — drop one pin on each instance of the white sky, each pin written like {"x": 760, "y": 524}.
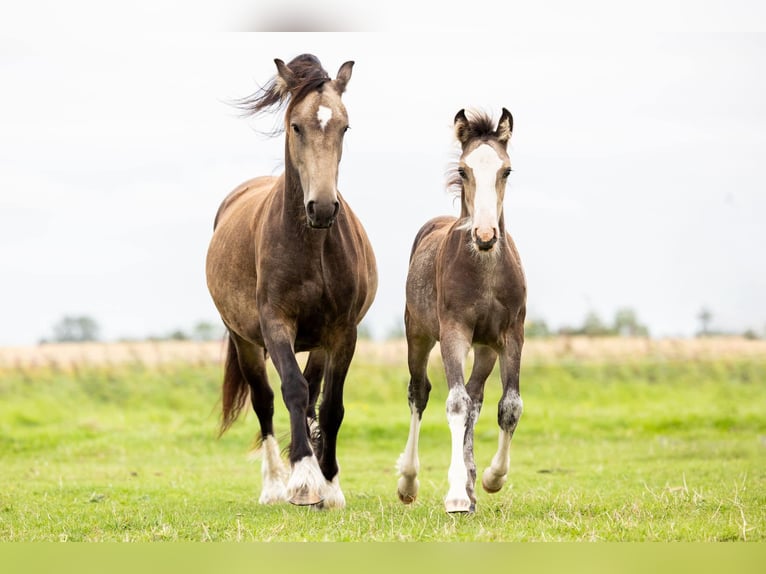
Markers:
{"x": 638, "y": 148}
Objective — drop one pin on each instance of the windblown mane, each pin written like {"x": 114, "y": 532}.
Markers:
{"x": 480, "y": 125}
{"x": 309, "y": 75}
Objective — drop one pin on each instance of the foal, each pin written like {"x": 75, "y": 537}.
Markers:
{"x": 466, "y": 288}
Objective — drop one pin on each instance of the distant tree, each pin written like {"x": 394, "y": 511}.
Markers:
{"x": 536, "y": 328}
{"x": 177, "y": 335}
{"x": 206, "y": 331}
{"x": 363, "y": 331}
{"x": 396, "y": 331}
{"x": 626, "y": 324}
{"x": 705, "y": 317}
{"x": 76, "y": 329}
{"x": 593, "y": 326}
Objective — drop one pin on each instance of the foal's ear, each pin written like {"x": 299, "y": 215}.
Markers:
{"x": 285, "y": 79}
{"x": 461, "y": 127}
{"x": 344, "y": 75}
{"x": 504, "y": 127}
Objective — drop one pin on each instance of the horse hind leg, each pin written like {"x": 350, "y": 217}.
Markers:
{"x": 418, "y": 391}
{"x": 313, "y": 373}
{"x": 252, "y": 365}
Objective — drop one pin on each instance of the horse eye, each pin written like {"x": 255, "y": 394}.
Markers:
{"x": 461, "y": 172}
{"x": 346, "y": 129}
{"x": 296, "y": 129}
{"x": 507, "y": 172}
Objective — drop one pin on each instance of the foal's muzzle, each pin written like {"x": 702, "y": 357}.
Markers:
{"x": 321, "y": 215}
{"x": 484, "y": 241}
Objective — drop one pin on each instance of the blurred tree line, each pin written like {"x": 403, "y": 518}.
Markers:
{"x": 625, "y": 323}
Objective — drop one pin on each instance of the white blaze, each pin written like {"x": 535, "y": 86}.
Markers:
{"x": 485, "y": 164}
{"x": 323, "y": 115}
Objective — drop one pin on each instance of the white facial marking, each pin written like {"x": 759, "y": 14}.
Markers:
{"x": 323, "y": 115}
{"x": 485, "y": 163}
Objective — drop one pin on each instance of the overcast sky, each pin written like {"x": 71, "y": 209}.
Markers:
{"x": 638, "y": 154}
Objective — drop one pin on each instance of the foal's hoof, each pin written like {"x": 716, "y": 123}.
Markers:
{"x": 459, "y": 506}
{"x": 406, "y": 498}
{"x": 305, "y": 497}
{"x": 407, "y": 490}
{"x": 491, "y": 482}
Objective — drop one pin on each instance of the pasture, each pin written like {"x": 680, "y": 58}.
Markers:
{"x": 621, "y": 440}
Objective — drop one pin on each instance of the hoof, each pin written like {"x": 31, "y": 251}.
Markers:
{"x": 491, "y": 482}
{"x": 459, "y": 506}
{"x": 407, "y": 498}
{"x": 407, "y": 490}
{"x": 305, "y": 497}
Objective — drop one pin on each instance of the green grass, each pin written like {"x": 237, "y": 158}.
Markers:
{"x": 648, "y": 450}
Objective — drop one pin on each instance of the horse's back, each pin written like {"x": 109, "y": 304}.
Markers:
{"x": 421, "y": 315}
{"x": 243, "y": 196}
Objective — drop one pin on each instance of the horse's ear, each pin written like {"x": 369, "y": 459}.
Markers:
{"x": 285, "y": 79}
{"x": 344, "y": 75}
{"x": 504, "y": 127}
{"x": 461, "y": 125}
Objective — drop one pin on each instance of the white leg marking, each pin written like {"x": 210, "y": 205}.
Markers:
{"x": 457, "y": 497}
{"x": 333, "y": 495}
{"x": 409, "y": 464}
{"x": 274, "y": 473}
{"x": 323, "y": 115}
{"x": 495, "y": 474}
{"x": 306, "y": 484}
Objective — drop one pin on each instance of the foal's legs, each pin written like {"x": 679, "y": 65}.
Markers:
{"x": 509, "y": 411}
{"x": 483, "y": 363}
{"x": 306, "y": 483}
{"x": 331, "y": 413}
{"x": 252, "y": 364}
{"x": 418, "y": 349}
{"x": 455, "y": 345}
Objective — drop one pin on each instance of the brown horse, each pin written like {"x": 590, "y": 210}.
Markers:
{"x": 466, "y": 288}
{"x": 290, "y": 269}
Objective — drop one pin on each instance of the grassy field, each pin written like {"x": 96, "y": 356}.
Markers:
{"x": 628, "y": 441}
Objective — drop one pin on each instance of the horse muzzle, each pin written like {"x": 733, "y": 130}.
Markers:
{"x": 321, "y": 215}
{"x": 485, "y": 239}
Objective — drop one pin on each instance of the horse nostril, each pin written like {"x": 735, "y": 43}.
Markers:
{"x": 310, "y": 209}
{"x": 335, "y": 211}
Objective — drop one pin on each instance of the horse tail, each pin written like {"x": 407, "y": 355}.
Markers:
{"x": 235, "y": 390}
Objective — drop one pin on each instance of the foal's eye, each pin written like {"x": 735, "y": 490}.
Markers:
{"x": 296, "y": 129}
{"x": 461, "y": 172}
{"x": 507, "y": 172}
{"x": 346, "y": 129}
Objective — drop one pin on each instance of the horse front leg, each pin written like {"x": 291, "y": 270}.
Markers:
{"x": 509, "y": 411}
{"x": 306, "y": 483}
{"x": 331, "y": 412}
{"x": 454, "y": 348}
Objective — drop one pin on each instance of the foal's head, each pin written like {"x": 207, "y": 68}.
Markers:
{"x": 315, "y": 121}
{"x": 482, "y": 173}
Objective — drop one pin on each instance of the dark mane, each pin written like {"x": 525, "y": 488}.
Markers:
{"x": 480, "y": 125}
{"x": 309, "y": 75}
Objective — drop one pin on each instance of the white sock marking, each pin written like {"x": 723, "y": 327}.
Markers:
{"x": 274, "y": 473}
{"x": 457, "y": 474}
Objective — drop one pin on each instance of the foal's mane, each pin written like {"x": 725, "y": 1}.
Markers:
{"x": 309, "y": 75}
{"x": 480, "y": 125}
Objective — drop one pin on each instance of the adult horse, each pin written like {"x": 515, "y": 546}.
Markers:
{"x": 466, "y": 288}
{"x": 290, "y": 269}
